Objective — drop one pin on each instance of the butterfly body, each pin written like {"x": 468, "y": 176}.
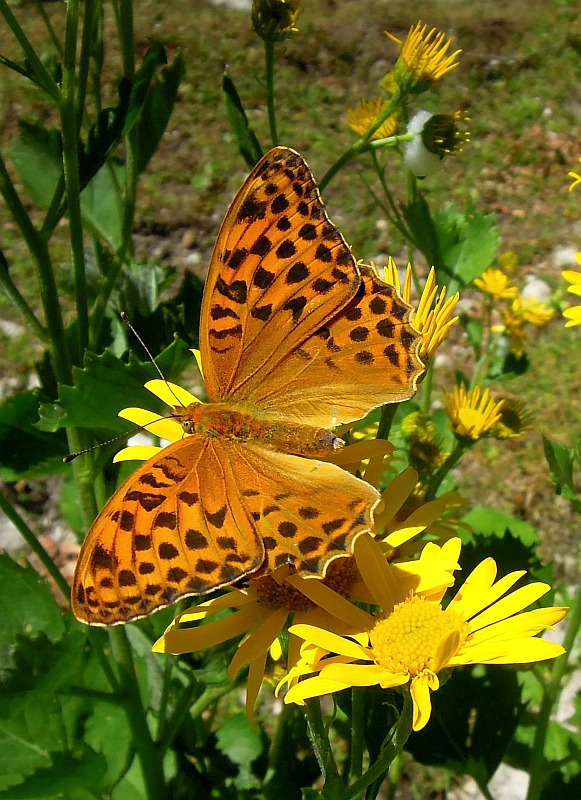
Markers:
{"x": 233, "y": 422}
{"x": 295, "y": 339}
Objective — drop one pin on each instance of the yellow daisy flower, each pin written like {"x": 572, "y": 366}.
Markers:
{"x": 473, "y": 414}
{"x": 263, "y": 608}
{"x": 573, "y": 314}
{"x": 412, "y": 639}
{"x": 497, "y": 284}
{"x": 515, "y": 418}
{"x": 423, "y": 59}
{"x": 362, "y": 117}
{"x": 432, "y": 315}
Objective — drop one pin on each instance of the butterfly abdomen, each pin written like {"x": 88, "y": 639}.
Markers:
{"x": 230, "y": 422}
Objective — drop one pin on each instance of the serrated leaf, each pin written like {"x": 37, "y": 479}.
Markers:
{"x": 246, "y": 140}
{"x": 490, "y": 521}
{"x": 101, "y": 389}
{"x": 28, "y": 606}
{"x": 66, "y": 772}
{"x": 25, "y": 451}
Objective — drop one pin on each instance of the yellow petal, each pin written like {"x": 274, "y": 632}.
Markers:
{"x": 189, "y": 640}
{"x": 258, "y": 641}
{"x": 333, "y": 603}
{"x": 153, "y": 423}
{"x": 515, "y": 602}
{"x": 171, "y": 393}
{"x": 354, "y": 453}
{"x": 330, "y": 641}
{"x": 422, "y": 702}
{"x": 364, "y": 675}
{"x": 376, "y": 572}
{"x": 517, "y": 651}
{"x": 198, "y": 357}
{"x": 136, "y": 453}
{"x": 255, "y": 678}
{"x": 313, "y": 687}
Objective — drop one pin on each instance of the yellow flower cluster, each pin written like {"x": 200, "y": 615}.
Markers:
{"x": 573, "y": 313}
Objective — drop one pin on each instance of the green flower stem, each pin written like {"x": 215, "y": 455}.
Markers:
{"x": 461, "y": 446}
{"x": 25, "y": 310}
{"x": 388, "y": 412}
{"x": 84, "y": 59}
{"x": 41, "y": 74}
{"x": 125, "y": 32}
{"x": 334, "y": 789}
{"x": 364, "y": 143}
{"x": 357, "y": 725}
{"x": 38, "y": 248}
{"x": 100, "y": 643}
{"x": 51, "y": 32}
{"x": 392, "y": 747}
{"x": 426, "y": 384}
{"x": 269, "y": 70}
{"x": 69, "y": 128}
{"x": 149, "y": 756}
{"x": 392, "y": 213}
{"x": 55, "y": 210}
{"x": 32, "y": 541}
{"x": 537, "y": 767}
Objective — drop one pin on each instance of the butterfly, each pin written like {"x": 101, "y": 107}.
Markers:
{"x": 295, "y": 339}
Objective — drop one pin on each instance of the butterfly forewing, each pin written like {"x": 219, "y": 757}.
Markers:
{"x": 279, "y": 270}
{"x": 363, "y": 357}
{"x": 176, "y": 527}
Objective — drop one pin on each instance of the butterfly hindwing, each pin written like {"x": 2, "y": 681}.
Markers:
{"x": 176, "y": 527}
{"x": 363, "y": 357}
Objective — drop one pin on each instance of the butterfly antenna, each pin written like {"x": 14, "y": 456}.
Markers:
{"x": 127, "y": 321}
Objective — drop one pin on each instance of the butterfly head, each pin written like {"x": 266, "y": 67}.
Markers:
{"x": 186, "y": 416}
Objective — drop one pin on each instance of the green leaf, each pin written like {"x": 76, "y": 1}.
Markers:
{"x": 560, "y": 461}
{"x": 156, "y": 111}
{"x": 246, "y": 140}
{"x": 491, "y": 522}
{"x": 467, "y": 245}
{"x": 108, "y": 732}
{"x": 27, "y": 452}
{"x": 37, "y": 159}
{"x": 101, "y": 204}
{"x": 238, "y": 740}
{"x": 424, "y": 234}
{"x": 104, "y": 135}
{"x": 101, "y": 389}
{"x": 66, "y": 772}
{"x": 27, "y": 603}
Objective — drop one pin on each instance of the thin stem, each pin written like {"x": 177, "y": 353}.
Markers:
{"x": 334, "y": 787}
{"x": 37, "y": 247}
{"x": 32, "y": 541}
{"x": 124, "y": 18}
{"x": 459, "y": 449}
{"x": 48, "y": 24}
{"x": 357, "y": 725}
{"x": 392, "y": 747}
{"x": 84, "y": 59}
{"x": 149, "y": 757}
{"x": 269, "y": 69}
{"x": 41, "y": 74}
{"x": 537, "y": 768}
{"x": 18, "y": 300}
{"x": 388, "y": 412}
{"x": 427, "y": 382}
{"x": 184, "y": 705}
{"x": 70, "y": 127}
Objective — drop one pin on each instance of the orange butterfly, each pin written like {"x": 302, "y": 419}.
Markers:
{"x": 295, "y": 339}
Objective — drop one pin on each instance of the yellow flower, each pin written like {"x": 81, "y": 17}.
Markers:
{"x": 495, "y": 283}
{"x": 508, "y": 260}
{"x": 431, "y": 319}
{"x": 576, "y": 179}
{"x": 275, "y": 20}
{"x": 472, "y": 414}
{"x": 423, "y": 59}
{"x": 425, "y": 452}
{"x": 411, "y": 639}
{"x": 532, "y": 311}
{"x": 262, "y": 609}
{"x": 573, "y": 314}
{"x": 361, "y": 118}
